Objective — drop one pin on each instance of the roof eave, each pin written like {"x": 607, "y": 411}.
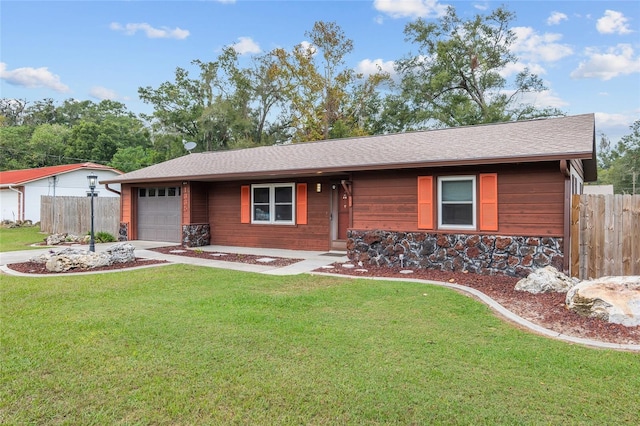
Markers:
{"x": 326, "y": 171}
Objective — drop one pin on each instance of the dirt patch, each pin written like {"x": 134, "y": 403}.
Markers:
{"x": 547, "y": 310}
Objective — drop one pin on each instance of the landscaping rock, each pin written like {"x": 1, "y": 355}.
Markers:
{"x": 546, "y": 280}
{"x": 121, "y": 253}
{"x": 612, "y": 299}
{"x": 74, "y": 258}
{"x": 55, "y": 239}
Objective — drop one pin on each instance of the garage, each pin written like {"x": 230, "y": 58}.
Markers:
{"x": 159, "y": 214}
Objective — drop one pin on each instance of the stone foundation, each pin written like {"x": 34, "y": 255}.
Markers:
{"x": 123, "y": 231}
{"x": 197, "y": 235}
{"x": 483, "y": 254}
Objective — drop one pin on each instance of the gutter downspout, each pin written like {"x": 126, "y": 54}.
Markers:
{"x": 106, "y": 186}
{"x": 20, "y": 202}
{"x": 564, "y": 169}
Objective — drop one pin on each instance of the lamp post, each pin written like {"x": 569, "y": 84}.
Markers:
{"x": 93, "y": 180}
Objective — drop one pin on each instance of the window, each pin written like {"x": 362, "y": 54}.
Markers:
{"x": 142, "y": 192}
{"x": 457, "y": 202}
{"x": 272, "y": 203}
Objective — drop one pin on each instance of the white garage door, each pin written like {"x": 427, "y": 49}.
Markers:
{"x": 159, "y": 214}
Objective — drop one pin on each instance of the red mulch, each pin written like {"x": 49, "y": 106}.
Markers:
{"x": 38, "y": 268}
{"x": 227, "y": 257}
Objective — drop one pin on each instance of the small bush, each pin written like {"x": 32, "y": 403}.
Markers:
{"x": 105, "y": 237}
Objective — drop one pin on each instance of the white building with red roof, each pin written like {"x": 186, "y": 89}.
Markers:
{"x": 21, "y": 190}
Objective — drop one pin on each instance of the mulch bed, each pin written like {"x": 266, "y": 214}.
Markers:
{"x": 227, "y": 257}
{"x": 39, "y": 268}
{"x": 547, "y": 310}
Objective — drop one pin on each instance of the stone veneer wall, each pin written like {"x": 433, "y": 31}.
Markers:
{"x": 123, "y": 231}
{"x": 197, "y": 235}
{"x": 484, "y": 254}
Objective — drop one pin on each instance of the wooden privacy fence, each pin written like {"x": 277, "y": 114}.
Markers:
{"x": 605, "y": 235}
{"x": 72, "y": 215}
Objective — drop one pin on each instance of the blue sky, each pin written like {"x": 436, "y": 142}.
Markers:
{"x": 587, "y": 52}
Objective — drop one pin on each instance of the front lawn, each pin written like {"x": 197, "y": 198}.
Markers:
{"x": 12, "y": 239}
{"x": 186, "y": 345}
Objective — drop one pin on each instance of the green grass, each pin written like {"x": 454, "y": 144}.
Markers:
{"x": 12, "y": 239}
{"x": 186, "y": 345}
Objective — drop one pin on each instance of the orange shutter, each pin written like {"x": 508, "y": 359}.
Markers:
{"x": 425, "y": 202}
{"x": 301, "y": 204}
{"x": 489, "y": 202}
{"x": 245, "y": 204}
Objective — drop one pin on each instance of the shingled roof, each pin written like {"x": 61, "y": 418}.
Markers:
{"x": 551, "y": 139}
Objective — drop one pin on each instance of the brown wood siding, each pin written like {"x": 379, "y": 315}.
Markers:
{"x": 125, "y": 203}
{"x": 530, "y": 199}
{"x": 226, "y": 229}
{"x": 198, "y": 208}
{"x": 127, "y": 211}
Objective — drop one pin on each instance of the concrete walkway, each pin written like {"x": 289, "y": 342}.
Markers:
{"x": 311, "y": 261}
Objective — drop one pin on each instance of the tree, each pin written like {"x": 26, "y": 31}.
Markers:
{"x": 14, "y": 152}
{"x": 48, "y": 144}
{"x": 326, "y": 98}
{"x": 455, "y": 79}
{"x": 620, "y": 166}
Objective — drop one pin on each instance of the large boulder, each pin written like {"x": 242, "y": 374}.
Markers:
{"x": 613, "y": 299}
{"x": 121, "y": 253}
{"x": 75, "y": 258}
{"x": 546, "y": 280}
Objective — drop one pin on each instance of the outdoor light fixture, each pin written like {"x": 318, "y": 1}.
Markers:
{"x": 93, "y": 180}
{"x": 318, "y": 187}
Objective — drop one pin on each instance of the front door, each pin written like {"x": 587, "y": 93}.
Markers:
{"x": 340, "y": 211}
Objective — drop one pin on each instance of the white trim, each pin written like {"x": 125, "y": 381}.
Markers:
{"x": 473, "y": 201}
{"x": 272, "y": 204}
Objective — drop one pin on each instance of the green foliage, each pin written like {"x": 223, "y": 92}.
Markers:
{"x": 14, "y": 152}
{"x": 455, "y": 79}
{"x": 620, "y": 165}
{"x": 104, "y": 237}
{"x": 304, "y": 94}
{"x": 49, "y": 135}
{"x": 186, "y": 345}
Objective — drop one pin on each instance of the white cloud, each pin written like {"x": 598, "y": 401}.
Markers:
{"x": 103, "y": 93}
{"x": 481, "y": 6}
{"x": 411, "y": 8}
{"x": 369, "y": 67}
{"x": 614, "y": 120}
{"x": 539, "y": 47}
{"x": 613, "y": 23}
{"x": 514, "y": 68}
{"x": 32, "y": 78}
{"x": 151, "y": 32}
{"x": 556, "y": 17}
{"x": 614, "y": 126}
{"x": 544, "y": 99}
{"x": 246, "y": 45}
{"x": 379, "y": 20}
{"x": 305, "y": 47}
{"x": 618, "y": 60}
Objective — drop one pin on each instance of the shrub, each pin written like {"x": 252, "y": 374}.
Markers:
{"x": 105, "y": 237}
